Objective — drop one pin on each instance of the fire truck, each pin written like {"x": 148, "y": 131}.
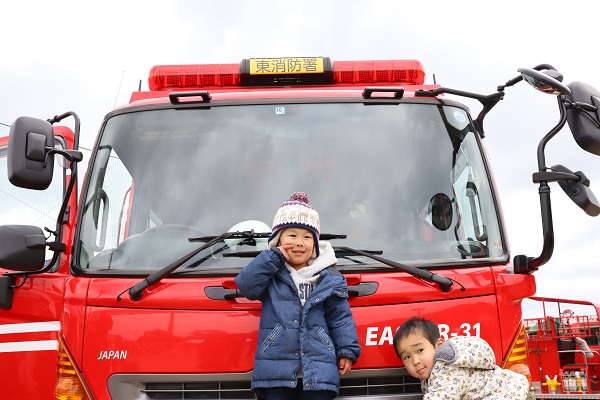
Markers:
{"x": 128, "y": 292}
{"x": 562, "y": 342}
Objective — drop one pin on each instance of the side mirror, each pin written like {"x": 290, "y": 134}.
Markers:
{"x": 29, "y": 164}
{"x": 548, "y": 81}
{"x": 440, "y": 208}
{"x": 584, "y": 123}
{"x": 579, "y": 191}
{"x": 22, "y": 248}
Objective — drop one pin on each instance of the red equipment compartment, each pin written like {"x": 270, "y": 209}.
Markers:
{"x": 553, "y": 353}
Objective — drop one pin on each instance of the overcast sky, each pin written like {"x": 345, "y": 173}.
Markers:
{"x": 59, "y": 56}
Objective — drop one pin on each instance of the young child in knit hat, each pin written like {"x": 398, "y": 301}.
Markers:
{"x": 307, "y": 336}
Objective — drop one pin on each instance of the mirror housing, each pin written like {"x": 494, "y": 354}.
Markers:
{"x": 548, "y": 81}
{"x": 579, "y": 191}
{"x": 29, "y": 164}
{"x": 22, "y": 248}
{"x": 585, "y": 125}
{"x": 440, "y": 208}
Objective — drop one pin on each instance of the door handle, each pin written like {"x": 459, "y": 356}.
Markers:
{"x": 363, "y": 289}
{"x": 221, "y": 293}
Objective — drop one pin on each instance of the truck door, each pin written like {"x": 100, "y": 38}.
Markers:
{"x": 30, "y": 322}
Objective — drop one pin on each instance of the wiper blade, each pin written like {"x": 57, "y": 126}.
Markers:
{"x": 323, "y": 236}
{"x": 347, "y": 255}
{"x": 136, "y": 291}
{"x": 346, "y": 251}
{"x": 248, "y": 254}
{"x": 209, "y": 238}
{"x": 244, "y": 254}
{"x": 330, "y": 236}
{"x": 444, "y": 283}
{"x": 338, "y": 251}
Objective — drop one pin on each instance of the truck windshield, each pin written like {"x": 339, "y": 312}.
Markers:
{"x": 408, "y": 181}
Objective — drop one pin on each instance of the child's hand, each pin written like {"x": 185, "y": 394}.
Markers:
{"x": 345, "y": 365}
{"x": 284, "y": 250}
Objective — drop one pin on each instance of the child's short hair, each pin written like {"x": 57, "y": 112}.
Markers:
{"x": 427, "y": 328}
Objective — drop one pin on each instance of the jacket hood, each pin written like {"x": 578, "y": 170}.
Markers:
{"x": 466, "y": 352}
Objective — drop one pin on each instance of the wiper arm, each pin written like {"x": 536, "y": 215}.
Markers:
{"x": 444, "y": 283}
{"x": 136, "y": 291}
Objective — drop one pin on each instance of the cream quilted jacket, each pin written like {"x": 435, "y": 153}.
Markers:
{"x": 465, "y": 369}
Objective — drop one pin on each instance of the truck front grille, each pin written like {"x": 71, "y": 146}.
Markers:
{"x": 356, "y": 387}
{"x": 371, "y": 384}
{"x": 198, "y": 390}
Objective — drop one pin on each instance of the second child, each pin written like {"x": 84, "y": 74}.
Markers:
{"x": 462, "y": 368}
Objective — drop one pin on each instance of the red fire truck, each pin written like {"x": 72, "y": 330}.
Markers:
{"x": 128, "y": 293}
{"x": 559, "y": 365}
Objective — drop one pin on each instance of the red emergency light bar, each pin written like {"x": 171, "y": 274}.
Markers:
{"x": 168, "y": 77}
{"x": 286, "y": 72}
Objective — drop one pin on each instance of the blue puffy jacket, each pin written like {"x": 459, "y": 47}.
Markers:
{"x": 314, "y": 336}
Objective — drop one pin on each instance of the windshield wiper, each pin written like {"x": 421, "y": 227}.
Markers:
{"x": 254, "y": 253}
{"x": 444, "y": 283}
{"x": 338, "y": 251}
{"x": 136, "y": 291}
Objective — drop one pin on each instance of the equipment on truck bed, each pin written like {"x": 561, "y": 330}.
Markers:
{"x": 563, "y": 343}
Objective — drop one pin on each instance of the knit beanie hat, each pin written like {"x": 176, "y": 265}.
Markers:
{"x": 296, "y": 212}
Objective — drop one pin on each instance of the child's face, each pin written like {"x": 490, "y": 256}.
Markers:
{"x": 417, "y": 353}
{"x": 298, "y": 243}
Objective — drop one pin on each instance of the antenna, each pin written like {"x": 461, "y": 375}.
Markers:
{"x": 119, "y": 89}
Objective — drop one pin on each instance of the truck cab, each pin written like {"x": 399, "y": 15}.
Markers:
{"x": 132, "y": 291}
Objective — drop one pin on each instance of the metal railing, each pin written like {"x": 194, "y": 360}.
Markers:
{"x": 4, "y": 129}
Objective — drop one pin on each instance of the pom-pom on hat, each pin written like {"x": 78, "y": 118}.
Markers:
{"x": 296, "y": 212}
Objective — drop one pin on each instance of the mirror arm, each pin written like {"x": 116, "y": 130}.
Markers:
{"x": 488, "y": 104}
{"x": 554, "y": 176}
{"x": 488, "y": 101}
{"x": 58, "y": 118}
{"x": 60, "y": 221}
{"x": 542, "y": 145}
{"x": 59, "y": 247}
{"x": 72, "y": 155}
{"x": 522, "y": 263}
{"x": 585, "y": 108}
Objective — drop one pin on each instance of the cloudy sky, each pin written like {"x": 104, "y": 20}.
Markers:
{"x": 58, "y": 56}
